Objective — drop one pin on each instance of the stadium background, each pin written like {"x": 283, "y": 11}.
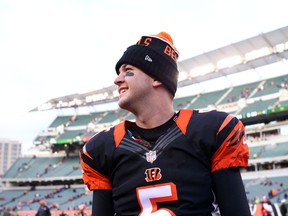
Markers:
{"x": 50, "y": 170}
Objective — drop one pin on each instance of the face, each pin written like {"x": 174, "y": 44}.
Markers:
{"x": 134, "y": 87}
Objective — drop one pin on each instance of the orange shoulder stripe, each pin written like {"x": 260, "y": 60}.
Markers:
{"x": 119, "y": 132}
{"x": 183, "y": 119}
{"x": 225, "y": 122}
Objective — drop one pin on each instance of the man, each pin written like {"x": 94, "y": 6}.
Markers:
{"x": 43, "y": 210}
{"x": 283, "y": 207}
{"x": 166, "y": 163}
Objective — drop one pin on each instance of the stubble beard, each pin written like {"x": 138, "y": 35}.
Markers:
{"x": 126, "y": 104}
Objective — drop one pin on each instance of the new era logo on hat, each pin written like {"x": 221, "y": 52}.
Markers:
{"x": 147, "y": 58}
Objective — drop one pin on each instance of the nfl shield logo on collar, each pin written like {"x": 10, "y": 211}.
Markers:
{"x": 151, "y": 156}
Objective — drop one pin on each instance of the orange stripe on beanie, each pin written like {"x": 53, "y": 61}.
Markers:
{"x": 156, "y": 56}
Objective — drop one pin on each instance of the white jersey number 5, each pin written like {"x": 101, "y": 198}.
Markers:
{"x": 149, "y": 196}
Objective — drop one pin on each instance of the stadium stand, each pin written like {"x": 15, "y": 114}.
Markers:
{"x": 54, "y": 173}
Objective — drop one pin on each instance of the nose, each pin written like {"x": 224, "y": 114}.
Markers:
{"x": 119, "y": 79}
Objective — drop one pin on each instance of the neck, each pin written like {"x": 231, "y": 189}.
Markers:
{"x": 151, "y": 118}
{"x": 154, "y": 109}
{"x": 152, "y": 134}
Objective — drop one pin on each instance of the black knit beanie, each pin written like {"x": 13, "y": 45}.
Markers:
{"x": 156, "y": 56}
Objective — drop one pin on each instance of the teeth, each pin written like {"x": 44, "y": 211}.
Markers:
{"x": 122, "y": 91}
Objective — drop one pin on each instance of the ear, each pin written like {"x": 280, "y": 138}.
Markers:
{"x": 156, "y": 83}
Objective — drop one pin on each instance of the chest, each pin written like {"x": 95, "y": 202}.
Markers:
{"x": 173, "y": 158}
{"x": 174, "y": 169}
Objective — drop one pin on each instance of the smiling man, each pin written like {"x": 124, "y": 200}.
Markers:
{"x": 166, "y": 163}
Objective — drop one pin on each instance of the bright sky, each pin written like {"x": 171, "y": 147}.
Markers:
{"x": 52, "y": 48}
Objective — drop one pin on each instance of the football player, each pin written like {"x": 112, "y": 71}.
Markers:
{"x": 167, "y": 162}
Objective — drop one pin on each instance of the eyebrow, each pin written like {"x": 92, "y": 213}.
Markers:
{"x": 128, "y": 67}
{"x": 125, "y": 67}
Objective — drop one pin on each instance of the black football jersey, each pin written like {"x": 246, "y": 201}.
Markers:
{"x": 171, "y": 177}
